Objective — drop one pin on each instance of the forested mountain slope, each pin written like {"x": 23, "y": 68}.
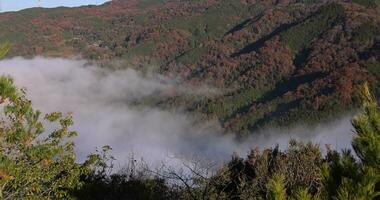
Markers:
{"x": 276, "y": 62}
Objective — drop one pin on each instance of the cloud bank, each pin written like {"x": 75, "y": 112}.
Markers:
{"x": 101, "y": 103}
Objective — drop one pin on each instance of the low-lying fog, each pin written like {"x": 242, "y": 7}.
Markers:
{"x": 100, "y": 101}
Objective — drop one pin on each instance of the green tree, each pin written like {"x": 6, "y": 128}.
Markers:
{"x": 36, "y": 164}
{"x": 276, "y": 188}
{"x": 4, "y": 49}
{"x": 348, "y": 179}
{"x": 367, "y": 127}
{"x": 303, "y": 194}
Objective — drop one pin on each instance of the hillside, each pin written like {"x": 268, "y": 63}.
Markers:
{"x": 278, "y": 62}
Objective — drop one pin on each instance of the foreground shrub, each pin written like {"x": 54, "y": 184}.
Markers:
{"x": 34, "y": 163}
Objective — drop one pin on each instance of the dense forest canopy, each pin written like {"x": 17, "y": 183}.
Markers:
{"x": 278, "y": 63}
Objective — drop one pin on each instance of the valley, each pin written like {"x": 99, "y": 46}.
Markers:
{"x": 276, "y": 63}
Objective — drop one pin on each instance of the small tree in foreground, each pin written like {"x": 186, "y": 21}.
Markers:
{"x": 4, "y": 48}
{"x": 348, "y": 179}
{"x": 35, "y": 164}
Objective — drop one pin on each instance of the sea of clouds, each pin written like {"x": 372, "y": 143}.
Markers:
{"x": 101, "y": 102}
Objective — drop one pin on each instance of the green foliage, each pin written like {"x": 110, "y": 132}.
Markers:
{"x": 373, "y": 67}
{"x": 35, "y": 164}
{"x": 344, "y": 177}
{"x": 368, "y": 3}
{"x": 362, "y": 189}
{"x": 300, "y": 36}
{"x": 302, "y": 194}
{"x": 192, "y": 56}
{"x": 276, "y": 188}
{"x": 271, "y": 174}
{"x": 145, "y": 3}
{"x": 31, "y": 166}
{"x": 97, "y": 22}
{"x": 366, "y": 32}
{"x": 231, "y": 104}
{"x": 367, "y": 127}
{"x": 144, "y": 49}
{"x": 4, "y": 48}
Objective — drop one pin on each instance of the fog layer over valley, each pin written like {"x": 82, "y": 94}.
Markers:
{"x": 102, "y": 104}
